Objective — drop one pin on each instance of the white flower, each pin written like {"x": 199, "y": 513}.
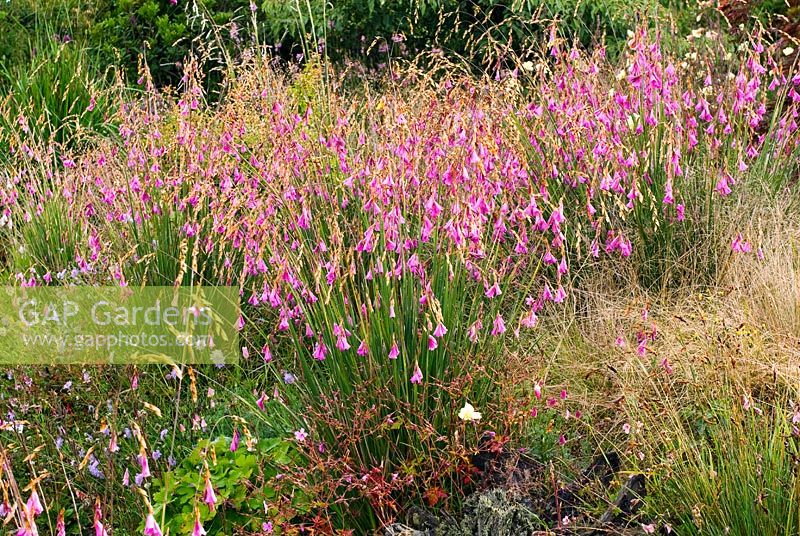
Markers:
{"x": 468, "y": 413}
{"x": 788, "y": 51}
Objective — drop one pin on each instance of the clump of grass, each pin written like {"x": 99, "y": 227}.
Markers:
{"x": 735, "y": 475}
{"x": 58, "y": 97}
{"x": 49, "y": 243}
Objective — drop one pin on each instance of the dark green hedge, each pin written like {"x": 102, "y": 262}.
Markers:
{"x": 119, "y": 31}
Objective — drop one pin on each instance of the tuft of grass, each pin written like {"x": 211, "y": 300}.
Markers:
{"x": 736, "y": 475}
{"x": 57, "y": 97}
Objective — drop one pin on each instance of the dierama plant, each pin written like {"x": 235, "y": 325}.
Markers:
{"x": 656, "y": 139}
{"x": 387, "y": 246}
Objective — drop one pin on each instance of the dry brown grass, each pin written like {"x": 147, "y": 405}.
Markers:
{"x": 741, "y": 338}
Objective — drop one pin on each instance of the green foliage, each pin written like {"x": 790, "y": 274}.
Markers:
{"x": 57, "y": 96}
{"x": 165, "y": 254}
{"x": 118, "y": 32}
{"x": 483, "y": 31}
{"x": 162, "y": 32}
{"x": 244, "y": 481}
{"x": 25, "y": 23}
{"x": 48, "y": 243}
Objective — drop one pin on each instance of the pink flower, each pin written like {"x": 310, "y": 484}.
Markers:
{"x": 473, "y": 330}
{"x": 34, "y": 505}
{"x": 151, "y": 527}
{"x": 235, "y": 440}
{"x": 363, "y": 349}
{"x": 143, "y": 463}
{"x": 648, "y": 529}
{"x": 261, "y": 400}
{"x": 547, "y": 294}
{"x": 499, "y": 326}
{"x": 529, "y": 320}
{"x": 342, "y": 344}
{"x": 432, "y": 344}
{"x": 61, "y": 529}
{"x": 440, "y": 330}
{"x": 537, "y": 390}
{"x": 722, "y": 187}
{"x": 341, "y": 337}
{"x": 394, "y": 351}
{"x": 100, "y": 530}
{"x": 493, "y": 291}
{"x": 266, "y": 353}
{"x": 300, "y": 435}
{"x": 740, "y": 245}
{"x": 198, "y": 527}
{"x": 320, "y": 351}
{"x": 417, "y": 376}
{"x": 209, "y": 497}
{"x": 560, "y": 294}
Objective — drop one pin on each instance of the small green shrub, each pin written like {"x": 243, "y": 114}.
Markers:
{"x": 244, "y": 480}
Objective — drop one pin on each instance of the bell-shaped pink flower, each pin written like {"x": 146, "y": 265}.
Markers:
{"x": 499, "y": 326}
{"x": 209, "y": 497}
{"x": 235, "y": 440}
{"x": 432, "y": 344}
{"x": 34, "y": 505}
{"x": 198, "y": 527}
{"x": 417, "y": 376}
{"x": 151, "y": 527}
{"x": 440, "y": 330}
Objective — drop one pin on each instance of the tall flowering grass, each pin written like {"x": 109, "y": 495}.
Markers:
{"x": 388, "y": 246}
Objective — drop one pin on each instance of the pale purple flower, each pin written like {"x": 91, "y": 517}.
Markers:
{"x": 432, "y": 344}
{"x": 151, "y": 527}
{"x": 498, "y": 326}
{"x": 417, "y": 376}
{"x": 235, "y": 440}
{"x": 209, "y": 497}
{"x": 320, "y": 351}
